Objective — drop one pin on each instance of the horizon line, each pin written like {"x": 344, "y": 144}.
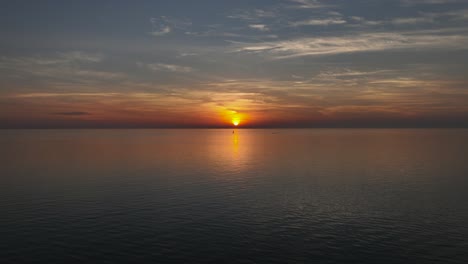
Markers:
{"x": 252, "y": 127}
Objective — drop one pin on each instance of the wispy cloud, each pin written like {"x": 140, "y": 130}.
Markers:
{"x": 73, "y": 66}
{"x": 433, "y": 17}
{"x": 307, "y": 4}
{"x": 252, "y": 15}
{"x": 457, "y": 15}
{"x": 352, "y": 73}
{"x": 412, "y": 20}
{"x": 165, "y": 67}
{"x": 261, "y": 27}
{"x": 355, "y": 43}
{"x": 60, "y": 58}
{"x": 81, "y": 56}
{"x": 186, "y": 54}
{"x": 163, "y": 30}
{"x": 164, "y": 25}
{"x": 51, "y": 94}
{"x": 421, "y": 18}
{"x": 318, "y": 22}
{"x": 429, "y": 2}
{"x": 360, "y": 21}
{"x": 215, "y": 33}
{"x": 160, "y": 26}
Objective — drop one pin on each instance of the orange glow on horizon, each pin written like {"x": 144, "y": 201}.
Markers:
{"x": 232, "y": 117}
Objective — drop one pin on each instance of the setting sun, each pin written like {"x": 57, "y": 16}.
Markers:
{"x": 235, "y": 122}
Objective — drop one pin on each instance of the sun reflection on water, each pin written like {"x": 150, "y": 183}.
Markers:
{"x": 235, "y": 143}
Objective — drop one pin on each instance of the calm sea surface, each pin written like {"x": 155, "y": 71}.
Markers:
{"x": 255, "y": 196}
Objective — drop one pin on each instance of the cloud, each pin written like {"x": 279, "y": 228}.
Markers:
{"x": 185, "y": 54}
{"x": 428, "y": 2}
{"x": 253, "y": 15}
{"x": 51, "y": 94}
{"x": 335, "y": 18}
{"x": 307, "y": 4}
{"x": 60, "y": 58}
{"x": 412, "y": 20}
{"x": 99, "y": 74}
{"x": 165, "y": 25}
{"x": 74, "y": 66}
{"x": 361, "y": 42}
{"x": 452, "y": 15}
{"x": 160, "y": 26}
{"x": 352, "y": 73}
{"x": 214, "y": 33}
{"x": 163, "y": 30}
{"x": 364, "y": 22}
{"x": 318, "y": 22}
{"x": 81, "y": 56}
{"x": 260, "y": 27}
{"x": 76, "y": 113}
{"x": 423, "y": 18}
{"x": 165, "y": 67}
{"x": 432, "y": 17}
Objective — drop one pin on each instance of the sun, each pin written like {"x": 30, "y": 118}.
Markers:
{"x": 233, "y": 117}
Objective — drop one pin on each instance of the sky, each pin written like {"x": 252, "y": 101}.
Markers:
{"x": 207, "y": 63}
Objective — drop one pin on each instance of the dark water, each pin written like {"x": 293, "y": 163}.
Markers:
{"x": 256, "y": 196}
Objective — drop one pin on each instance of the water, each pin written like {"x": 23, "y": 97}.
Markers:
{"x": 255, "y": 196}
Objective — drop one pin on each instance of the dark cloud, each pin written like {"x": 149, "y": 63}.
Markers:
{"x": 73, "y": 113}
